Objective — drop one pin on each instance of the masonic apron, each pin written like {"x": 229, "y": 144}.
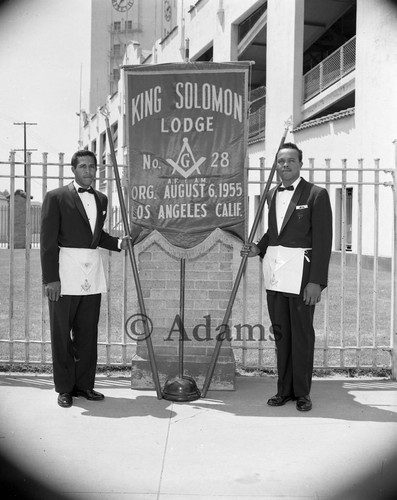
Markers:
{"x": 81, "y": 271}
{"x": 283, "y": 268}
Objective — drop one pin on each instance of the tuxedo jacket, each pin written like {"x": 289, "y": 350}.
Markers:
{"x": 307, "y": 224}
{"x": 64, "y": 223}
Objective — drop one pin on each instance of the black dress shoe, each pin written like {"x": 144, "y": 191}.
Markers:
{"x": 89, "y": 394}
{"x": 65, "y": 400}
{"x": 304, "y": 403}
{"x": 279, "y": 400}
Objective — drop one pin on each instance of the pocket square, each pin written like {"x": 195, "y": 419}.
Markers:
{"x": 300, "y": 207}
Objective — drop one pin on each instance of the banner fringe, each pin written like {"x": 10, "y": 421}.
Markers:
{"x": 187, "y": 253}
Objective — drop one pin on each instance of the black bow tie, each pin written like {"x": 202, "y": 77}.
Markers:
{"x": 289, "y": 188}
{"x": 89, "y": 190}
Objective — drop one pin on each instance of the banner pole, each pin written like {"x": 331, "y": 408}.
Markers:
{"x": 182, "y": 316}
{"x": 181, "y": 388}
{"x": 240, "y": 272}
{"x": 141, "y": 302}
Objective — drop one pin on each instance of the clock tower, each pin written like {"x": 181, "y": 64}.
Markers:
{"x": 114, "y": 24}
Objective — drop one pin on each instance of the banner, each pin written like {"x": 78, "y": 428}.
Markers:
{"x": 187, "y": 137}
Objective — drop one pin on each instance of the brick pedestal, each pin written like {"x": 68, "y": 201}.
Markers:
{"x": 208, "y": 284}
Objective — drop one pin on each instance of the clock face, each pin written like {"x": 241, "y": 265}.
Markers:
{"x": 122, "y": 5}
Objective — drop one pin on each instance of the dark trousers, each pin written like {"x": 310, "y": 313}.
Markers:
{"x": 74, "y": 337}
{"x": 292, "y": 324}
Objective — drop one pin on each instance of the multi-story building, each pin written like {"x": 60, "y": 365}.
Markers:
{"x": 113, "y": 24}
{"x": 331, "y": 65}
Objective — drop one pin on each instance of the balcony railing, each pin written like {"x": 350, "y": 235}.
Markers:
{"x": 257, "y": 108}
{"x": 330, "y": 70}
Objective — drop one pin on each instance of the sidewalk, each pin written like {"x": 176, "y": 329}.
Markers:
{"x": 228, "y": 446}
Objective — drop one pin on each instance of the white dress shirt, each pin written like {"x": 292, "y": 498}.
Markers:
{"x": 89, "y": 203}
{"x": 283, "y": 199}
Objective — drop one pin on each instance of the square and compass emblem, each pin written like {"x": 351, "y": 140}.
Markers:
{"x": 186, "y": 164}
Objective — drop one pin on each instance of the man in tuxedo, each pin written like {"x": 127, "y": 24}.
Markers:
{"x": 296, "y": 250}
{"x": 72, "y": 223}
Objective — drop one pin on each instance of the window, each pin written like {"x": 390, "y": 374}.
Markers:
{"x": 116, "y": 74}
{"x": 344, "y": 219}
{"x": 117, "y": 26}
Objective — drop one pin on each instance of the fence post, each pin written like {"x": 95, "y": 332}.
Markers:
{"x": 359, "y": 262}
{"x": 61, "y": 165}
{"x": 394, "y": 272}
{"x": 376, "y": 259}
{"x": 343, "y": 262}
{"x": 43, "y": 297}
{"x": 28, "y": 244}
{"x": 326, "y": 291}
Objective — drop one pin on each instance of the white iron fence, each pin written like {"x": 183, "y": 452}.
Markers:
{"x": 355, "y": 321}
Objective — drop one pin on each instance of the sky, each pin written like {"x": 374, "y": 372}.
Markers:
{"x": 44, "y": 67}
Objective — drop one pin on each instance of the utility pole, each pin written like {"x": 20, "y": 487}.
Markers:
{"x": 24, "y": 147}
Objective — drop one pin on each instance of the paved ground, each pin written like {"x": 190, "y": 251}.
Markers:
{"x": 228, "y": 446}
